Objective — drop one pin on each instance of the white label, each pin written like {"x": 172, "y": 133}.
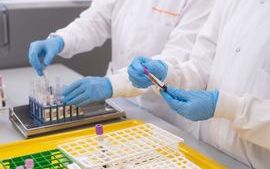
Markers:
{"x": 46, "y": 114}
{"x": 67, "y": 111}
{"x": 81, "y": 112}
{"x": 74, "y": 111}
{"x": 60, "y": 113}
{"x": 54, "y": 113}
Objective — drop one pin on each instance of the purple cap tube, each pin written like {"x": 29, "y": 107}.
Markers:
{"x": 99, "y": 129}
{"x": 29, "y": 163}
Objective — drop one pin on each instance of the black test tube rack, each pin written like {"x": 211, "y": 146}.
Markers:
{"x": 49, "y": 114}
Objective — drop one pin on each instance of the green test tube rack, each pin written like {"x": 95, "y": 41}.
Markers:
{"x": 52, "y": 159}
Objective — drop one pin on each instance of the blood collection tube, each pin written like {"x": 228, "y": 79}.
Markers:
{"x": 29, "y": 164}
{"x": 51, "y": 96}
{"x": 20, "y": 167}
{"x": 101, "y": 142}
{"x": 99, "y": 132}
{"x": 154, "y": 79}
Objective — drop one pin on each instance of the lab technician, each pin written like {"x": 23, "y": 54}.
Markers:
{"x": 226, "y": 81}
{"x": 153, "y": 28}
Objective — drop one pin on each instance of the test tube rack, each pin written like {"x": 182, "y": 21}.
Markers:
{"x": 48, "y": 159}
{"x": 144, "y": 146}
{"x": 49, "y": 114}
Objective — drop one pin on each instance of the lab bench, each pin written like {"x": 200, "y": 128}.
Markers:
{"x": 18, "y": 84}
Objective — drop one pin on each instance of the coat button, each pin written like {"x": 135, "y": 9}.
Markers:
{"x": 237, "y": 50}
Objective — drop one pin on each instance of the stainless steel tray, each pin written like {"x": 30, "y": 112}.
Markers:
{"x": 98, "y": 112}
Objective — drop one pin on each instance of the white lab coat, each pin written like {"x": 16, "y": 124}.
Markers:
{"x": 152, "y": 28}
{"x": 232, "y": 54}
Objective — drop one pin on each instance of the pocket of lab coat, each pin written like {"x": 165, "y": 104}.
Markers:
{"x": 158, "y": 26}
{"x": 165, "y": 16}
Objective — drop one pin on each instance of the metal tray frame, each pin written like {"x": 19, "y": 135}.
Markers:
{"x": 20, "y": 118}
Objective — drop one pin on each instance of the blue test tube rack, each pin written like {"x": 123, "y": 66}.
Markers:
{"x": 51, "y": 114}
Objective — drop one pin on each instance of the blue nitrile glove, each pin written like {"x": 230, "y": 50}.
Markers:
{"x": 41, "y": 53}
{"x": 136, "y": 73}
{"x": 87, "y": 90}
{"x": 193, "y": 105}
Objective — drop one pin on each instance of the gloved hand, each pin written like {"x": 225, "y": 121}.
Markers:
{"x": 136, "y": 72}
{"x": 41, "y": 53}
{"x": 87, "y": 90}
{"x": 193, "y": 105}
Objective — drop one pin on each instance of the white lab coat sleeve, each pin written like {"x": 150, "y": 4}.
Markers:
{"x": 177, "y": 48}
{"x": 250, "y": 117}
{"x": 90, "y": 30}
{"x": 121, "y": 85}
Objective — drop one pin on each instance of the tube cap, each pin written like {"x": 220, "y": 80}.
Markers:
{"x": 29, "y": 163}
{"x": 146, "y": 71}
{"x": 99, "y": 129}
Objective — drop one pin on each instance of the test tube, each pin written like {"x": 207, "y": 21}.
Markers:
{"x": 99, "y": 132}
{"x": 36, "y": 98}
{"x": 33, "y": 89}
{"x": 45, "y": 80}
{"x": 67, "y": 109}
{"x": 74, "y": 110}
{"x": 52, "y": 104}
{"x": 29, "y": 164}
{"x": 39, "y": 101}
{"x": 101, "y": 142}
{"x": 39, "y": 90}
{"x": 154, "y": 79}
{"x": 44, "y": 103}
{"x": 51, "y": 96}
{"x": 60, "y": 108}
{"x": 58, "y": 98}
{"x": 58, "y": 87}
{"x": 46, "y": 113}
{"x": 32, "y": 98}
{"x": 20, "y": 167}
